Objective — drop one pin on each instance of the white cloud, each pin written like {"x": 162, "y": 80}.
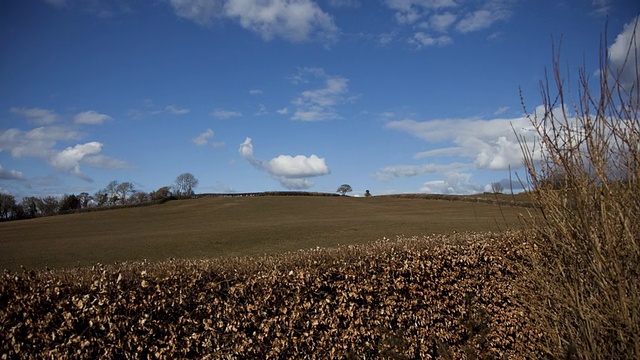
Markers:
{"x": 10, "y": 174}
{"x": 492, "y": 144}
{"x": 409, "y": 11}
{"x": 501, "y": 110}
{"x": 319, "y": 104}
{"x": 624, "y": 54}
{"x": 91, "y": 118}
{"x": 293, "y": 20}
{"x": 176, "y": 110}
{"x": 37, "y": 142}
{"x": 225, "y": 114}
{"x": 203, "y": 139}
{"x": 36, "y": 116}
{"x": 602, "y": 7}
{"x": 40, "y": 143}
{"x": 291, "y": 171}
{"x": 68, "y": 160}
{"x": 199, "y": 11}
{"x": 256, "y": 92}
{"x": 262, "y": 110}
{"x": 421, "y": 40}
{"x": 283, "y": 111}
{"x": 441, "y": 22}
{"x": 387, "y": 173}
{"x": 453, "y": 183}
{"x": 441, "y": 15}
{"x": 481, "y": 19}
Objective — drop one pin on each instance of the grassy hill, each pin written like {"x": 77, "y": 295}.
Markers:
{"x": 237, "y": 226}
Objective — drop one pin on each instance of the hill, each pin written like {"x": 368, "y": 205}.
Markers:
{"x": 235, "y": 226}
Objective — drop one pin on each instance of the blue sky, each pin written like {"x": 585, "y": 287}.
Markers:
{"x": 392, "y": 96}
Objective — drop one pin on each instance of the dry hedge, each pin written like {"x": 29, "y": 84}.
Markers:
{"x": 438, "y": 296}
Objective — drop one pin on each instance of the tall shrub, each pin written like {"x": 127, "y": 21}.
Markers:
{"x": 583, "y": 288}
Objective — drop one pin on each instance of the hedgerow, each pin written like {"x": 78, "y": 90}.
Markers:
{"x": 403, "y": 298}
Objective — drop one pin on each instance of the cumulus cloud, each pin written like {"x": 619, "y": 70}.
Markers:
{"x": 37, "y": 142}
{"x": 91, "y": 118}
{"x": 203, "y": 139}
{"x": 36, "y": 116}
{"x": 225, "y": 114}
{"x": 68, "y": 160}
{"x": 624, "y": 53}
{"x": 293, "y": 20}
{"x": 256, "y": 92}
{"x": 41, "y": 142}
{"x": 291, "y": 171}
{"x": 319, "y": 104}
{"x": 492, "y": 144}
{"x": 10, "y": 174}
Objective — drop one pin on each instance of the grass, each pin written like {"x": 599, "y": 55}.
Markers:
{"x": 229, "y": 227}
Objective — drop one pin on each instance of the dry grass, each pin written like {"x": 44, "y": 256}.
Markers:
{"x": 584, "y": 284}
{"x": 442, "y": 296}
{"x": 227, "y": 227}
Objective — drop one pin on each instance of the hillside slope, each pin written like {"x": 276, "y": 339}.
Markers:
{"x": 227, "y": 227}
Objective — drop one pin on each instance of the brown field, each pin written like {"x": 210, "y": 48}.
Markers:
{"x": 229, "y": 227}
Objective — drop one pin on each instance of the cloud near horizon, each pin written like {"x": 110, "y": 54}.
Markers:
{"x": 291, "y": 171}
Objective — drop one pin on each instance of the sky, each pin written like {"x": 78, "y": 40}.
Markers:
{"x": 390, "y": 96}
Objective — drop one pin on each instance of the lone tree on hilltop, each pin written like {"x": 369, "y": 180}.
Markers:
{"x": 184, "y": 185}
{"x": 497, "y": 188}
{"x": 344, "y": 189}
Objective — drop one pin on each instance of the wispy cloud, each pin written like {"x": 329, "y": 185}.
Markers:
{"x": 36, "y": 116}
{"x": 319, "y": 103}
{"x": 203, "y": 139}
{"x": 491, "y": 144}
{"x": 41, "y": 143}
{"x": 421, "y": 40}
{"x": 11, "y": 174}
{"x": 431, "y": 21}
{"x": 291, "y": 171}
{"x": 225, "y": 114}
{"x": 292, "y": 20}
{"x": 176, "y": 110}
{"x": 91, "y": 118}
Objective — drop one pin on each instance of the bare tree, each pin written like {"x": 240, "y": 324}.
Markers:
{"x": 184, "y": 184}
{"x": 497, "y": 188}
{"x": 123, "y": 190}
{"x": 344, "y": 189}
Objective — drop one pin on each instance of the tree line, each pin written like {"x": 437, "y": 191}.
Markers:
{"x": 114, "y": 194}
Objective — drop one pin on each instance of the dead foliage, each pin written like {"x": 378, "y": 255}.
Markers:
{"x": 438, "y": 296}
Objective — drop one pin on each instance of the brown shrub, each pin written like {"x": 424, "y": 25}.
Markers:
{"x": 406, "y": 298}
{"x": 583, "y": 285}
